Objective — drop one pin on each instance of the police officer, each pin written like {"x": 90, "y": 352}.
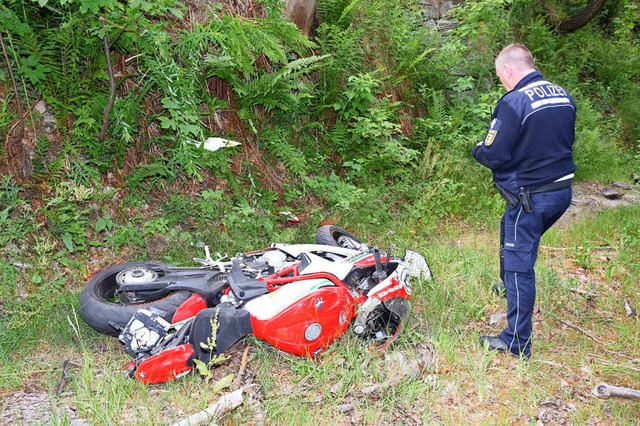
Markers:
{"x": 528, "y": 147}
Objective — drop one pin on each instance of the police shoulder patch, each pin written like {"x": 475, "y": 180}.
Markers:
{"x": 491, "y": 135}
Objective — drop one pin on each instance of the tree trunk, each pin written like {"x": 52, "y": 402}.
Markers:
{"x": 302, "y": 13}
{"x": 582, "y": 18}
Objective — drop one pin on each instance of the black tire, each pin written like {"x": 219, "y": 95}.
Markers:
{"x": 110, "y": 317}
{"x": 337, "y": 237}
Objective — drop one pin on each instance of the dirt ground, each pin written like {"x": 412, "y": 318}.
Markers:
{"x": 589, "y": 198}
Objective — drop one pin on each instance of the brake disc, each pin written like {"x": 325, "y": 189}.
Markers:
{"x": 136, "y": 275}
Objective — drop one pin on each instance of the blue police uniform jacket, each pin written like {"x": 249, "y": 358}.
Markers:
{"x": 530, "y": 138}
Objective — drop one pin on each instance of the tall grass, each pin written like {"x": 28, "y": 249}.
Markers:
{"x": 379, "y": 145}
{"x": 435, "y": 373}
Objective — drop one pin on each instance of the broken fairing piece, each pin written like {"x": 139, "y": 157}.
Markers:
{"x": 604, "y": 390}
{"x": 213, "y": 144}
{"x": 418, "y": 266}
{"x": 143, "y": 332}
{"x": 291, "y": 218}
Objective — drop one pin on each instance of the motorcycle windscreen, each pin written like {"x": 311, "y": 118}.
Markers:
{"x": 401, "y": 307}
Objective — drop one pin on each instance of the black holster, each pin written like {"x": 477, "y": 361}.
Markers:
{"x": 512, "y": 200}
{"x": 525, "y": 199}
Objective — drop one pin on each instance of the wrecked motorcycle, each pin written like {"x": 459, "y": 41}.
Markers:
{"x": 298, "y": 297}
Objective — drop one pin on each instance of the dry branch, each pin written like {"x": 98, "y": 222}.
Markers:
{"x": 584, "y": 292}
{"x": 603, "y": 248}
{"x": 24, "y": 115}
{"x": 575, "y": 327}
{"x": 243, "y": 366}
{"x": 112, "y": 85}
{"x": 225, "y": 404}
{"x": 18, "y": 157}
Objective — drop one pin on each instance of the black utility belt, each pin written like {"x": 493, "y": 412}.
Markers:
{"x": 551, "y": 186}
{"x": 524, "y": 195}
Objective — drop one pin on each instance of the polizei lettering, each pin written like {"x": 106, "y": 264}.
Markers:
{"x": 546, "y": 91}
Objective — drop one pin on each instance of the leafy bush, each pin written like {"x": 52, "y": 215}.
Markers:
{"x": 376, "y": 100}
{"x": 16, "y": 215}
{"x": 68, "y": 214}
{"x": 596, "y": 142}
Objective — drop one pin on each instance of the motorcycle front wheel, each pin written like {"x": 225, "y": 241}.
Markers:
{"x": 337, "y": 237}
{"x": 101, "y": 309}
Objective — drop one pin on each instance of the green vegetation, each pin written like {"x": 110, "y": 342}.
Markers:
{"x": 369, "y": 124}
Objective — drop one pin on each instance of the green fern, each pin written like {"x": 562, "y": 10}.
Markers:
{"x": 341, "y": 138}
{"x": 220, "y": 66}
{"x": 240, "y": 42}
{"x": 283, "y": 89}
{"x": 289, "y": 35}
{"x": 437, "y": 107}
{"x": 43, "y": 144}
{"x": 237, "y": 46}
{"x": 263, "y": 42}
{"x": 336, "y": 12}
{"x": 278, "y": 145}
{"x": 150, "y": 174}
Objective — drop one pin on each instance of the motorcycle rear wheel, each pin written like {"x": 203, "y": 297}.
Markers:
{"x": 106, "y": 315}
{"x": 337, "y": 237}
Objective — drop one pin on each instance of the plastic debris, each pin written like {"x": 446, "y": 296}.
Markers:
{"x": 291, "y": 218}
{"x": 214, "y": 144}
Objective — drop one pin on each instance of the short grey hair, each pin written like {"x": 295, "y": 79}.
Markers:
{"x": 516, "y": 55}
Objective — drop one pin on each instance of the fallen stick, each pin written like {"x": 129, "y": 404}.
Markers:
{"x": 64, "y": 380}
{"x": 584, "y": 292}
{"x": 551, "y": 363}
{"x": 226, "y": 403}
{"x": 243, "y": 366}
{"x": 626, "y": 367}
{"x": 575, "y": 327}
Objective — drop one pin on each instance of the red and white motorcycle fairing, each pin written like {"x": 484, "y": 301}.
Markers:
{"x": 310, "y": 303}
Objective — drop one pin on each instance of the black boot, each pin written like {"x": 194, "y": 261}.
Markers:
{"x": 495, "y": 343}
{"x": 499, "y": 289}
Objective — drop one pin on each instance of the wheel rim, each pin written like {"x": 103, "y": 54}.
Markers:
{"x": 108, "y": 289}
